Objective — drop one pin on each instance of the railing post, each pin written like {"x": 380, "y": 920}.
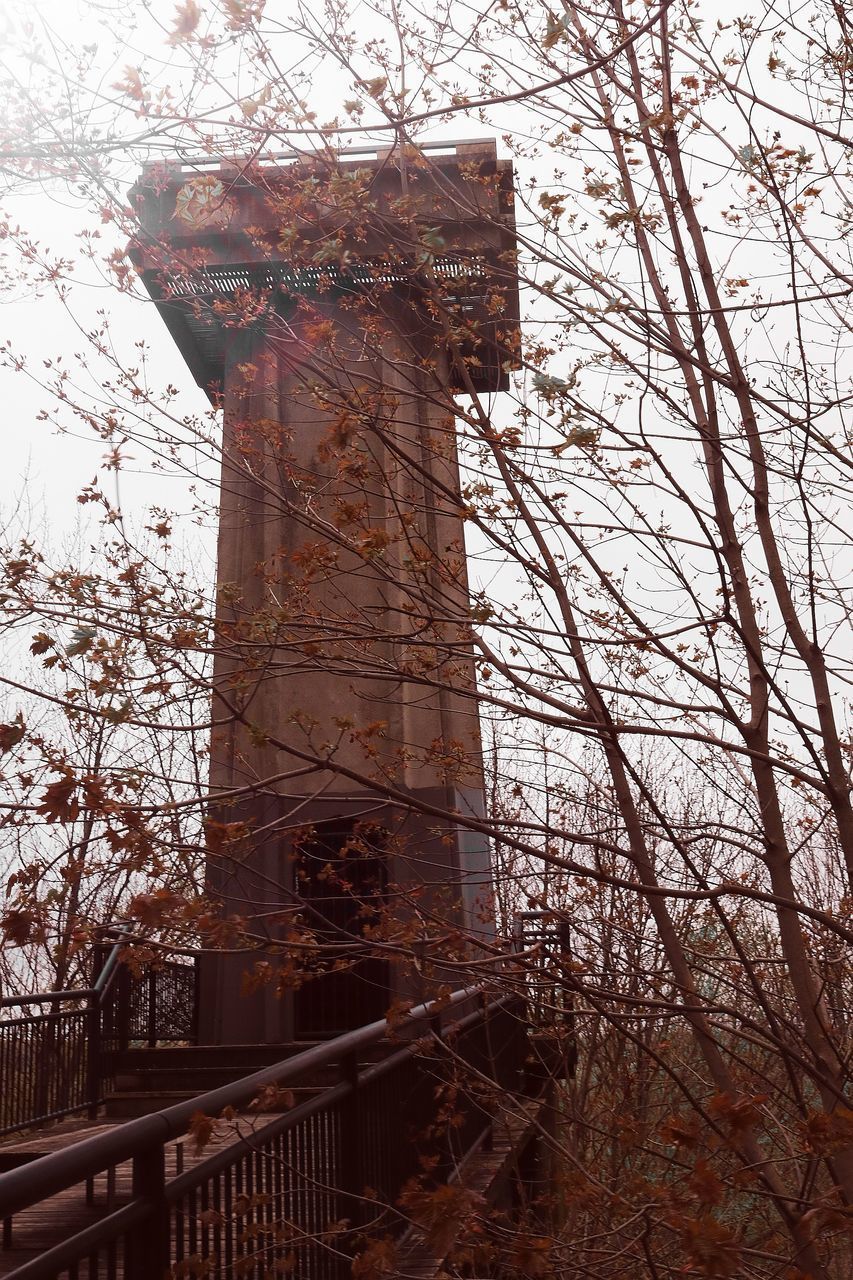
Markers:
{"x": 196, "y": 1000}
{"x": 493, "y": 1069}
{"x": 351, "y": 1179}
{"x": 570, "y": 1049}
{"x": 123, "y": 1007}
{"x": 94, "y": 1053}
{"x": 148, "y": 1246}
{"x": 44, "y": 1037}
{"x": 152, "y": 1007}
{"x": 100, "y": 951}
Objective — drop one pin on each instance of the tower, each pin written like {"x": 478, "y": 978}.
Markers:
{"x": 333, "y": 307}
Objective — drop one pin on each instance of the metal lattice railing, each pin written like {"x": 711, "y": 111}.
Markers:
{"x": 46, "y": 1060}
{"x": 545, "y": 938}
{"x": 56, "y": 1046}
{"x": 155, "y": 1002}
{"x": 214, "y": 281}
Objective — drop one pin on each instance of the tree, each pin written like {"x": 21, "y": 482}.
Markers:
{"x": 657, "y": 538}
{"x": 100, "y": 804}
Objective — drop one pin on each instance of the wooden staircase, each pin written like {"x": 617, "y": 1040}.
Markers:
{"x": 147, "y": 1080}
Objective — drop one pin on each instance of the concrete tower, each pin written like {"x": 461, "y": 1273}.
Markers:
{"x": 333, "y": 308}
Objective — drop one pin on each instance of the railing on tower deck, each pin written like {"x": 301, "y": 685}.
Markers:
{"x": 298, "y": 1192}
{"x": 547, "y": 939}
{"x": 150, "y": 1002}
{"x": 56, "y": 1047}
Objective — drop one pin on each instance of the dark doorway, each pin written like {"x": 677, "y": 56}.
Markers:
{"x": 341, "y": 877}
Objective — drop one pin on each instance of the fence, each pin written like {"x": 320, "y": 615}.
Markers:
{"x": 550, "y": 995}
{"x": 46, "y": 1059}
{"x": 155, "y": 1002}
{"x": 296, "y": 1195}
{"x": 58, "y": 1060}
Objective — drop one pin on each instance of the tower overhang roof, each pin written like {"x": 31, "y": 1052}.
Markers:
{"x": 427, "y": 226}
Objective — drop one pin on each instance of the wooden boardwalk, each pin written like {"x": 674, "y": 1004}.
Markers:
{"x": 485, "y": 1174}
{"x": 35, "y": 1230}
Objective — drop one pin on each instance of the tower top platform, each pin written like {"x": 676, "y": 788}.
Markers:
{"x": 433, "y": 225}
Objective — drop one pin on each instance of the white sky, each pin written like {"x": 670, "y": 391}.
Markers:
{"x": 45, "y": 468}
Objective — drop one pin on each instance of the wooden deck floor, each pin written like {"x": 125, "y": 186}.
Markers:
{"x": 35, "y": 1230}
{"x": 483, "y": 1175}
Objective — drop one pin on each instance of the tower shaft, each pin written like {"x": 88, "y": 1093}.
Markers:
{"x": 346, "y": 756}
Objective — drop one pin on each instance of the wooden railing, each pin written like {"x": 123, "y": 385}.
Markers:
{"x": 57, "y": 1047}
{"x": 301, "y": 1191}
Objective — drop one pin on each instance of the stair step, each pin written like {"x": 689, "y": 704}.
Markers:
{"x": 243, "y": 1057}
{"x": 194, "y": 1079}
{"x": 237, "y": 1055}
{"x": 127, "y": 1106}
{"x": 131, "y": 1103}
{"x": 148, "y": 1080}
